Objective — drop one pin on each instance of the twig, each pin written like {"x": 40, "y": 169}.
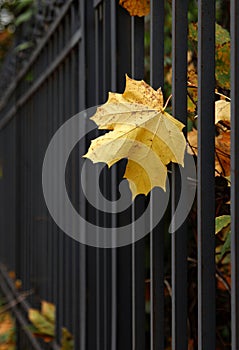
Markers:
{"x": 192, "y": 148}
{"x": 221, "y": 278}
{"x": 168, "y": 287}
{"x": 218, "y": 93}
{"x": 191, "y": 98}
{"x": 166, "y": 103}
{"x": 218, "y": 274}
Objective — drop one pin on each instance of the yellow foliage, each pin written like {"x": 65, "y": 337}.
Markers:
{"x": 7, "y": 331}
{"x": 44, "y": 321}
{"x": 136, "y": 7}
{"x": 142, "y": 132}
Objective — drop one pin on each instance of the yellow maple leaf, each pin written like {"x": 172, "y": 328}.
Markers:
{"x": 136, "y": 7}
{"x": 142, "y": 132}
{"x": 48, "y": 310}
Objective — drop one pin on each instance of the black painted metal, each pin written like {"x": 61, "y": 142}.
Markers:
{"x": 206, "y": 206}
{"x": 234, "y": 173}
{"x": 179, "y": 236}
{"x": 157, "y": 234}
{"x": 83, "y": 49}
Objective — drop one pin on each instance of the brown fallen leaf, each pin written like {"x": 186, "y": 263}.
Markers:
{"x": 192, "y": 142}
{"x": 136, "y": 7}
{"x": 222, "y": 149}
{"x": 222, "y": 139}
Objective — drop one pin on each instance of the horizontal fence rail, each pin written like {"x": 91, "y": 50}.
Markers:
{"x": 159, "y": 292}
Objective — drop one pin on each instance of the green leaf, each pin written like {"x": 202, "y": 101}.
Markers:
{"x": 23, "y": 46}
{"x": 227, "y": 245}
{"x": 22, "y": 4}
{"x": 48, "y": 310}
{"x": 221, "y": 222}
{"x": 222, "y": 35}
{"x": 222, "y": 57}
{"x": 222, "y": 53}
{"x": 29, "y": 77}
{"x": 24, "y": 17}
{"x": 193, "y": 31}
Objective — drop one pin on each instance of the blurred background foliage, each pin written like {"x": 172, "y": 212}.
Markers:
{"x": 13, "y": 13}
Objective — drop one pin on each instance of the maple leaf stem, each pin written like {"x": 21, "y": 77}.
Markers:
{"x": 166, "y": 103}
{"x": 218, "y": 93}
{"x": 192, "y": 148}
{"x": 191, "y": 98}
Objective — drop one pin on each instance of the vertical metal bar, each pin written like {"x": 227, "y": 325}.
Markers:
{"x": 55, "y": 123}
{"x": 90, "y": 74}
{"x": 26, "y": 192}
{"x": 68, "y": 268}
{"x": 40, "y": 219}
{"x": 206, "y": 211}
{"x": 73, "y": 88}
{"x": 235, "y": 173}
{"x": 34, "y": 137}
{"x": 113, "y": 46}
{"x": 99, "y": 267}
{"x": 179, "y": 237}
{"x": 107, "y": 282}
{"x": 114, "y": 255}
{"x": 18, "y": 155}
{"x": 157, "y": 43}
{"x": 124, "y": 254}
{"x": 49, "y": 135}
{"x": 61, "y": 239}
{"x": 137, "y": 47}
{"x": 82, "y": 248}
{"x": 106, "y": 23}
{"x": 157, "y": 235}
{"x": 138, "y": 249}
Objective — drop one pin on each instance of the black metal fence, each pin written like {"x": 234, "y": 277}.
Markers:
{"x": 111, "y": 298}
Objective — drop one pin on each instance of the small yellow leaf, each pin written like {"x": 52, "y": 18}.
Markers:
{"x": 42, "y": 324}
{"x": 142, "y": 132}
{"x": 48, "y": 310}
{"x": 67, "y": 341}
{"x": 136, "y": 7}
